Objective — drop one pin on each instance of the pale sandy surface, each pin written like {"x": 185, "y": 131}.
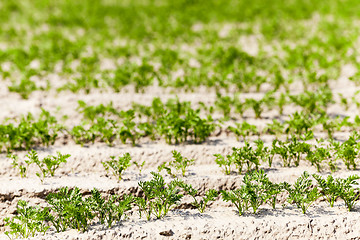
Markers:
{"x": 220, "y": 221}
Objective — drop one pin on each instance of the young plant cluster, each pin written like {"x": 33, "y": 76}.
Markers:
{"x": 291, "y": 152}
{"x": 244, "y": 157}
{"x": 298, "y": 123}
{"x": 107, "y": 130}
{"x": 226, "y": 103}
{"x": 258, "y": 190}
{"x": 155, "y": 62}
{"x": 310, "y": 102}
{"x": 179, "y": 163}
{"x": 29, "y": 132}
{"x": 47, "y": 165}
{"x": 69, "y": 209}
{"x": 117, "y": 167}
{"x": 175, "y": 121}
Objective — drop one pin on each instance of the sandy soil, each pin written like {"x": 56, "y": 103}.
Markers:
{"x": 220, "y": 221}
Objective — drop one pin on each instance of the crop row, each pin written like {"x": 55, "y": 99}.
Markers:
{"x": 220, "y": 67}
{"x": 29, "y": 132}
{"x": 244, "y": 159}
{"x": 232, "y": 69}
{"x": 182, "y": 46}
{"x": 69, "y": 209}
{"x": 174, "y": 121}
{"x": 309, "y": 102}
{"x": 311, "y": 116}
{"x": 147, "y": 28}
{"x": 49, "y": 164}
{"x": 177, "y": 121}
{"x": 291, "y": 152}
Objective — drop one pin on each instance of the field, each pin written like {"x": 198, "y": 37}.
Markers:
{"x": 187, "y": 119}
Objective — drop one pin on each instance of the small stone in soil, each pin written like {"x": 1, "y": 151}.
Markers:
{"x": 167, "y": 233}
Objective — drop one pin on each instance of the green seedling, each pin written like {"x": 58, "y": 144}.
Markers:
{"x": 319, "y": 155}
{"x": 348, "y": 151}
{"x": 290, "y": 151}
{"x": 278, "y": 80}
{"x": 302, "y": 193}
{"x": 347, "y": 192}
{"x": 269, "y": 100}
{"x": 299, "y": 123}
{"x": 174, "y": 126}
{"x": 47, "y": 165}
{"x": 69, "y": 210}
{"x": 93, "y": 112}
{"x": 159, "y": 197}
{"x": 128, "y": 129}
{"x": 281, "y": 102}
{"x": 306, "y": 136}
{"x": 355, "y": 125}
{"x": 117, "y": 167}
{"x": 246, "y": 156}
{"x": 202, "y": 128}
{"x": 210, "y": 195}
{"x": 105, "y": 129}
{"x": 139, "y": 166}
{"x": 256, "y": 105}
{"x": 244, "y": 130}
{"x": 331, "y": 125}
{"x": 296, "y": 150}
{"x": 28, "y": 221}
{"x": 258, "y": 189}
{"x": 274, "y": 128}
{"x": 332, "y": 188}
{"x": 98, "y": 205}
{"x": 279, "y": 148}
{"x": 109, "y": 211}
{"x": 263, "y": 153}
{"x": 314, "y": 102}
{"x": 29, "y": 133}
{"x": 179, "y": 163}
{"x": 22, "y": 167}
{"x": 224, "y": 103}
{"x": 82, "y": 135}
{"x": 225, "y": 163}
{"x": 329, "y": 188}
{"x": 84, "y": 83}
{"x": 272, "y": 192}
{"x": 175, "y": 121}
{"x": 25, "y": 87}
{"x": 240, "y": 106}
{"x": 144, "y": 207}
{"x": 238, "y": 197}
{"x": 156, "y": 109}
{"x": 148, "y": 130}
